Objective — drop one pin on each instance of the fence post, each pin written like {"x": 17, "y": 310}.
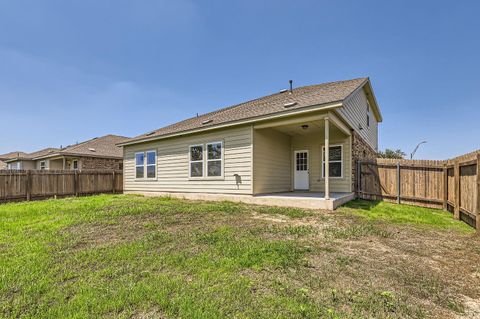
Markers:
{"x": 27, "y": 186}
{"x": 399, "y": 192}
{"x": 113, "y": 182}
{"x": 445, "y": 187}
{"x": 359, "y": 174}
{"x": 477, "y": 210}
{"x": 75, "y": 183}
{"x": 456, "y": 172}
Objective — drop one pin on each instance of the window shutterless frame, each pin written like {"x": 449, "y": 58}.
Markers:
{"x": 214, "y": 160}
{"x": 151, "y": 164}
{"x": 196, "y": 156}
{"x": 43, "y": 165}
{"x": 211, "y": 161}
{"x": 146, "y": 165}
{"x": 333, "y": 161}
{"x": 75, "y": 164}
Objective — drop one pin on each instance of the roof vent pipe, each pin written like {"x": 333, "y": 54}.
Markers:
{"x": 291, "y": 86}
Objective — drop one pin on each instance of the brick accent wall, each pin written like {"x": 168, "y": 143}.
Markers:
{"x": 361, "y": 150}
{"x": 101, "y": 163}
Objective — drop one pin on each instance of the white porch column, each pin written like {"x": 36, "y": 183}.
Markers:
{"x": 327, "y": 158}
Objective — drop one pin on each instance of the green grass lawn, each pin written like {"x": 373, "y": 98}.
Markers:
{"x": 135, "y": 257}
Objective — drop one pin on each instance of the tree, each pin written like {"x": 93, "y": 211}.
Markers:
{"x": 389, "y": 153}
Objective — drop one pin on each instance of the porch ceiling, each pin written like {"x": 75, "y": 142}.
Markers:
{"x": 314, "y": 127}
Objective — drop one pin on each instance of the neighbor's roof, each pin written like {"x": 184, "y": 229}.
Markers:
{"x": 320, "y": 94}
{"x": 105, "y": 146}
{"x": 31, "y": 156}
{"x": 11, "y": 155}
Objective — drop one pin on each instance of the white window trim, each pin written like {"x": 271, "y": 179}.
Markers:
{"x": 73, "y": 165}
{"x": 341, "y": 162}
{"x": 145, "y": 165}
{"x": 205, "y": 161}
{"x": 44, "y": 166}
{"x": 198, "y": 161}
{"x": 222, "y": 161}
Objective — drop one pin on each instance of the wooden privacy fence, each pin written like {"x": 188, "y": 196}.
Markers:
{"x": 453, "y": 185}
{"x": 18, "y": 185}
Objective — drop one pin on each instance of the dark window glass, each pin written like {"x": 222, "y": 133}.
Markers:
{"x": 196, "y": 169}
{"x": 139, "y": 159}
{"x": 196, "y": 153}
{"x": 151, "y": 171}
{"x": 151, "y": 158}
{"x": 139, "y": 172}
{"x": 214, "y": 151}
{"x": 215, "y": 168}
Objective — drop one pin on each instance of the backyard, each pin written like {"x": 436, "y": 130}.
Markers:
{"x": 136, "y": 257}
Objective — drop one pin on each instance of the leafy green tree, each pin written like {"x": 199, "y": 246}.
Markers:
{"x": 389, "y": 153}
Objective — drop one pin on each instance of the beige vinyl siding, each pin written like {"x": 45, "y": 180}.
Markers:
{"x": 28, "y": 165}
{"x": 314, "y": 146}
{"x": 55, "y": 164}
{"x": 272, "y": 161}
{"x": 354, "y": 112}
{"x": 173, "y": 164}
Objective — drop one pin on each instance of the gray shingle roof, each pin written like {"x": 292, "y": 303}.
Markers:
{"x": 105, "y": 146}
{"x": 11, "y": 155}
{"x": 31, "y": 156}
{"x": 41, "y": 153}
{"x": 302, "y": 97}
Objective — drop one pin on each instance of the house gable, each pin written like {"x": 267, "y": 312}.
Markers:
{"x": 362, "y": 114}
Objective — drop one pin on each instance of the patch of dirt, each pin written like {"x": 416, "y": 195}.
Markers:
{"x": 124, "y": 229}
{"x": 472, "y": 308}
{"x": 150, "y": 314}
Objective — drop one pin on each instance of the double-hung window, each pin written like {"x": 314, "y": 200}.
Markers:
{"x": 214, "y": 159}
{"x": 196, "y": 161}
{"x": 146, "y": 165}
{"x": 43, "y": 165}
{"x": 206, "y": 160}
{"x": 335, "y": 161}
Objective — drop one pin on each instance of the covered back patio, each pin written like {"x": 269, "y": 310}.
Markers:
{"x": 305, "y": 160}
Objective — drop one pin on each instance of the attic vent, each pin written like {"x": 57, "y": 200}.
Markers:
{"x": 151, "y": 133}
{"x": 290, "y": 104}
{"x": 283, "y": 91}
{"x": 207, "y": 122}
{"x": 91, "y": 149}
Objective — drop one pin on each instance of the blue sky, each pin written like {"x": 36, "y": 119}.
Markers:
{"x": 73, "y": 70}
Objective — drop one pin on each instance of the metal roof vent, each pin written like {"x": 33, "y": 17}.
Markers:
{"x": 283, "y": 91}
{"x": 207, "y": 122}
{"x": 91, "y": 149}
{"x": 151, "y": 133}
{"x": 289, "y": 104}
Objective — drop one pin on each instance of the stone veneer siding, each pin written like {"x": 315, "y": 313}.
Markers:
{"x": 101, "y": 163}
{"x": 361, "y": 150}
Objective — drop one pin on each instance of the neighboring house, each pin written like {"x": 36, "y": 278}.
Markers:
{"x": 274, "y": 144}
{"x": 5, "y": 157}
{"x": 97, "y": 153}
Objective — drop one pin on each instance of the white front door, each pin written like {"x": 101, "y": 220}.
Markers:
{"x": 301, "y": 171}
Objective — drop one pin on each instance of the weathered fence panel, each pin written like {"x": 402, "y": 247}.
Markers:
{"x": 453, "y": 185}
{"x": 18, "y": 185}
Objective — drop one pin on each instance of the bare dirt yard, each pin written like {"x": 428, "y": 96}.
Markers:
{"x": 135, "y": 257}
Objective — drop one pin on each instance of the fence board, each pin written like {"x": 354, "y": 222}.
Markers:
{"x": 453, "y": 184}
{"x": 21, "y": 185}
